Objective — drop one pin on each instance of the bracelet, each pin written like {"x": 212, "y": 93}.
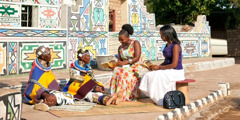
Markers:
{"x": 130, "y": 61}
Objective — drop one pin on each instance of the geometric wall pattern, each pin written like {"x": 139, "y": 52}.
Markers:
{"x": 159, "y": 49}
{"x": 48, "y": 17}
{"x": 96, "y": 44}
{"x": 49, "y": 14}
{"x": 192, "y": 44}
{"x": 32, "y": 33}
{"x": 190, "y": 48}
{"x": 11, "y": 106}
{"x": 10, "y": 15}
{"x": 91, "y": 16}
{"x": 3, "y": 58}
{"x": 88, "y": 29}
{"x": 12, "y": 56}
{"x": 148, "y": 47}
{"x": 42, "y": 2}
{"x": 28, "y": 54}
{"x": 139, "y": 18}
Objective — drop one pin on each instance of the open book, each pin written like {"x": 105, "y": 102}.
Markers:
{"x": 147, "y": 64}
{"x": 111, "y": 63}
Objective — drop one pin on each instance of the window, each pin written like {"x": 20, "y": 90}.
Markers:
{"x": 111, "y": 20}
{"x": 26, "y": 20}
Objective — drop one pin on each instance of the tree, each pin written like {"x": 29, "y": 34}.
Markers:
{"x": 178, "y": 11}
{"x": 225, "y": 14}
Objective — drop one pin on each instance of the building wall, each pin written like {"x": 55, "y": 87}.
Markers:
{"x": 88, "y": 29}
{"x": 116, "y": 5}
{"x": 84, "y": 25}
{"x": 233, "y": 42}
{"x": 10, "y": 104}
{"x": 18, "y": 47}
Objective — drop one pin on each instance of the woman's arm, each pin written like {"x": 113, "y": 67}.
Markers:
{"x": 137, "y": 52}
{"x": 176, "y": 50}
{"x": 137, "y": 55}
{"x": 119, "y": 56}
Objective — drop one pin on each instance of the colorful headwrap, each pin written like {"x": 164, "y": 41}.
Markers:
{"x": 41, "y": 51}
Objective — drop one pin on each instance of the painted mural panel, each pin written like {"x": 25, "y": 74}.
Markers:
{"x": 73, "y": 48}
{"x": 32, "y": 33}
{"x": 11, "y": 0}
{"x": 159, "y": 49}
{"x": 28, "y": 50}
{"x": 42, "y": 2}
{"x": 12, "y": 58}
{"x": 99, "y": 15}
{"x": 10, "y": 15}
{"x": 11, "y": 106}
{"x": 148, "y": 47}
{"x": 202, "y": 25}
{"x": 190, "y": 48}
{"x": 92, "y": 16}
{"x": 3, "y": 59}
{"x": 96, "y": 46}
{"x": 139, "y": 18}
{"x": 95, "y": 42}
{"x": 48, "y": 17}
{"x": 204, "y": 45}
{"x": 74, "y": 21}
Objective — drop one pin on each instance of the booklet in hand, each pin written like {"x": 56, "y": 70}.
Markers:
{"x": 147, "y": 64}
{"x": 111, "y": 63}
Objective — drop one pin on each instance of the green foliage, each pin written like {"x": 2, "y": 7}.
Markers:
{"x": 178, "y": 11}
{"x": 226, "y": 12}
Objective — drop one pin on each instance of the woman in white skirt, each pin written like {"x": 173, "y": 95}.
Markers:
{"x": 163, "y": 77}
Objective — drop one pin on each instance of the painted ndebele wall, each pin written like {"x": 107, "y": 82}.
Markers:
{"x": 10, "y": 104}
{"x": 86, "y": 28}
{"x": 194, "y": 44}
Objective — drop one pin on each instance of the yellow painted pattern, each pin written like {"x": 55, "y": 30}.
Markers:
{"x": 3, "y": 59}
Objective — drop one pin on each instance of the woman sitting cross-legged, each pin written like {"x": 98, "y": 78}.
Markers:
{"x": 163, "y": 77}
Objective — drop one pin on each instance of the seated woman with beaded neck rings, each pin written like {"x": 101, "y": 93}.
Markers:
{"x": 41, "y": 79}
{"x": 44, "y": 56}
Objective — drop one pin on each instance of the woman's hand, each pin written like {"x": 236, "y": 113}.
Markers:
{"x": 121, "y": 63}
{"x": 112, "y": 68}
{"x": 155, "y": 67}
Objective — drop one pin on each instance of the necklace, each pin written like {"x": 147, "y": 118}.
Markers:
{"x": 44, "y": 63}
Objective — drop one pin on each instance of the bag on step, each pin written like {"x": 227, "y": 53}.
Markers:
{"x": 173, "y": 99}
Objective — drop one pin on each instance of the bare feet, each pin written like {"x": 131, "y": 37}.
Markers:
{"x": 118, "y": 99}
{"x": 111, "y": 98}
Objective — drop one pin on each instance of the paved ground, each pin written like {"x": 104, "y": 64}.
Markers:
{"x": 206, "y": 82}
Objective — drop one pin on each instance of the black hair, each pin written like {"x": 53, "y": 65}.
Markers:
{"x": 127, "y": 30}
{"x": 170, "y": 33}
{"x": 191, "y": 24}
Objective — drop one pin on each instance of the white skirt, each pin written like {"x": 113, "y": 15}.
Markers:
{"x": 156, "y": 84}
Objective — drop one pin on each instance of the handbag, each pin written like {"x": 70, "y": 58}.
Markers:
{"x": 173, "y": 99}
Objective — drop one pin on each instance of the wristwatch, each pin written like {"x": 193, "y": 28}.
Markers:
{"x": 130, "y": 61}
